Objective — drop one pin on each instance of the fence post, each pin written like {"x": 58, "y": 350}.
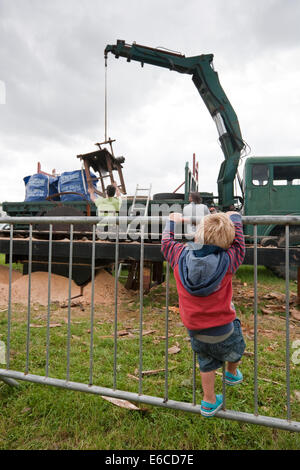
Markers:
{"x": 69, "y": 303}
{"x": 29, "y": 299}
{"x": 116, "y": 304}
{"x": 167, "y": 332}
{"x": 9, "y": 296}
{"x": 49, "y": 300}
{"x": 92, "y": 307}
{"x": 255, "y": 325}
{"x": 141, "y": 310}
{"x": 287, "y": 314}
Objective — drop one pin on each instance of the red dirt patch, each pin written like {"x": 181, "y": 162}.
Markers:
{"x": 4, "y": 275}
{"x": 103, "y": 293}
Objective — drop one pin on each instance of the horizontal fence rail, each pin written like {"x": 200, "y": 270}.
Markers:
{"x": 11, "y": 377}
{"x": 247, "y": 220}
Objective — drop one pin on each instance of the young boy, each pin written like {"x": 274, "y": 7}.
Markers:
{"x": 203, "y": 271}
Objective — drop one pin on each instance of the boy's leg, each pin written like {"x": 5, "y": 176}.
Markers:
{"x": 233, "y": 375}
{"x": 211, "y": 402}
{"x": 208, "y": 366}
{"x": 208, "y": 386}
{"x": 232, "y": 367}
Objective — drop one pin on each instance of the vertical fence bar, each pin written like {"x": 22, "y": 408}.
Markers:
{"x": 224, "y": 386}
{"x": 116, "y": 305}
{"x": 141, "y": 310}
{"x": 69, "y": 302}
{"x": 49, "y": 299}
{"x": 194, "y": 377}
{"x": 166, "y": 397}
{"x": 255, "y": 324}
{"x": 9, "y": 297}
{"x": 287, "y": 317}
{"x": 92, "y": 307}
{"x": 29, "y": 299}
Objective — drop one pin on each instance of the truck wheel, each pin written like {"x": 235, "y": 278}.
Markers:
{"x": 294, "y": 241}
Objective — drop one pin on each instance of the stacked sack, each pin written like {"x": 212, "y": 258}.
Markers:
{"x": 39, "y": 186}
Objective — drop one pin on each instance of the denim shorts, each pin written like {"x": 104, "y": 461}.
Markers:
{"x": 212, "y": 356}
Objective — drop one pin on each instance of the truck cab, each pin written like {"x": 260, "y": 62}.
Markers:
{"x": 271, "y": 187}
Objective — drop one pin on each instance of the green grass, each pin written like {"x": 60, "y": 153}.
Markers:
{"x": 264, "y": 276}
{"x": 41, "y": 417}
{"x": 16, "y": 266}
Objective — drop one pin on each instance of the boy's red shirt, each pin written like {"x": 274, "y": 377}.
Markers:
{"x": 199, "y": 313}
{"x": 216, "y": 309}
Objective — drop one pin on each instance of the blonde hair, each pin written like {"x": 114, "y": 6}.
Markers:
{"x": 215, "y": 229}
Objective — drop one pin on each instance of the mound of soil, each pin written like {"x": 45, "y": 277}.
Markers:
{"x": 3, "y": 294}
{"x": 103, "y": 291}
{"x": 39, "y": 289}
{"x": 4, "y": 282}
{"x": 4, "y": 275}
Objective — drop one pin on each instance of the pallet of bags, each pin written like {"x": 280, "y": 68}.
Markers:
{"x": 39, "y": 186}
{"x": 74, "y": 181}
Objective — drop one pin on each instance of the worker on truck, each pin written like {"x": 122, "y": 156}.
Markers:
{"x": 106, "y": 206}
{"x": 194, "y": 209}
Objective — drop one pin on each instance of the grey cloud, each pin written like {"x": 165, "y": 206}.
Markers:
{"x": 51, "y": 59}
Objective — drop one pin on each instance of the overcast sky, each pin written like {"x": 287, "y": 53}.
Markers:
{"x": 52, "y": 85}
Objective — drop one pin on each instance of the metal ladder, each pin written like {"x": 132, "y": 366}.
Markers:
{"x": 134, "y": 206}
{"x": 132, "y": 212}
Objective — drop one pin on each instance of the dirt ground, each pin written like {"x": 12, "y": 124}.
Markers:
{"x": 103, "y": 291}
{"x": 272, "y": 304}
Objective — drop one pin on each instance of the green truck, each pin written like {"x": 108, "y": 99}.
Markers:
{"x": 270, "y": 185}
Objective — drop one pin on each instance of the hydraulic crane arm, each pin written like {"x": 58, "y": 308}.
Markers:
{"x": 207, "y": 83}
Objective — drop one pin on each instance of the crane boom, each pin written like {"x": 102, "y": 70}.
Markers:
{"x": 206, "y": 80}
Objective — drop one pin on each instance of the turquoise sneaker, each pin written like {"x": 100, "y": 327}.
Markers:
{"x": 209, "y": 409}
{"x": 231, "y": 379}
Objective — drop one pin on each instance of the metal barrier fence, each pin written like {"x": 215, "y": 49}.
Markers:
{"x": 11, "y": 377}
